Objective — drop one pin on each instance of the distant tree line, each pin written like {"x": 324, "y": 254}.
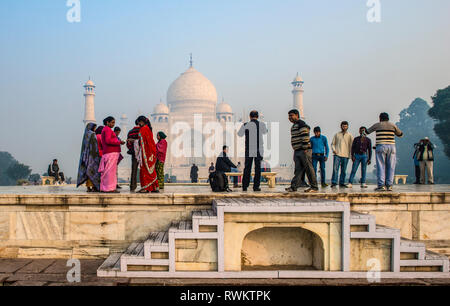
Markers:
{"x": 418, "y": 121}
{"x": 12, "y": 172}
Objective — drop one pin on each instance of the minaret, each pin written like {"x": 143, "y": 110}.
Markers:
{"x": 124, "y": 126}
{"x": 89, "y": 108}
{"x": 298, "y": 95}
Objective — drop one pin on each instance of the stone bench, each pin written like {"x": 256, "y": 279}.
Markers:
{"x": 48, "y": 180}
{"x": 398, "y": 178}
{"x": 270, "y": 176}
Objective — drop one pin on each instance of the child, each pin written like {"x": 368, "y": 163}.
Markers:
{"x": 161, "y": 149}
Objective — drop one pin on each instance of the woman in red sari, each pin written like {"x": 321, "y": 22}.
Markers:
{"x": 148, "y": 176}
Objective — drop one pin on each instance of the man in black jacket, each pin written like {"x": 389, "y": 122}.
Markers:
{"x": 194, "y": 174}
{"x": 223, "y": 165}
{"x": 254, "y": 149}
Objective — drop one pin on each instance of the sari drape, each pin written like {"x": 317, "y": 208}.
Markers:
{"x": 148, "y": 176}
{"x": 89, "y": 159}
{"x": 108, "y": 170}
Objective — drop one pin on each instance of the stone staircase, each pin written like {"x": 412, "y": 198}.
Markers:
{"x": 156, "y": 255}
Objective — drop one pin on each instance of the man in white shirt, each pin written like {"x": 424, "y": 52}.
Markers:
{"x": 342, "y": 152}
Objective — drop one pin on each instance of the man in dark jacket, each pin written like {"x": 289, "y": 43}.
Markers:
{"x": 426, "y": 158}
{"x": 254, "y": 149}
{"x": 133, "y": 135}
{"x": 223, "y": 163}
{"x": 194, "y": 173}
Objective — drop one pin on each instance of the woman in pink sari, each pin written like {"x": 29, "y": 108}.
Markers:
{"x": 111, "y": 152}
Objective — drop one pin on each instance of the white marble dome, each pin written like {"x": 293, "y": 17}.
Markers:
{"x": 192, "y": 86}
{"x": 224, "y": 108}
{"x": 161, "y": 108}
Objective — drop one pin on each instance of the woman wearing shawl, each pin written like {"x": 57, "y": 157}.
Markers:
{"x": 149, "y": 179}
{"x": 89, "y": 160}
{"x": 161, "y": 149}
{"x": 111, "y": 152}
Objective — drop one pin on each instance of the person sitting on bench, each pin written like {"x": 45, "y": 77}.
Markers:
{"x": 224, "y": 164}
{"x": 53, "y": 170}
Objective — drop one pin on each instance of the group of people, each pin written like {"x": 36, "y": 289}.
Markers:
{"x": 101, "y": 154}
{"x": 54, "y": 171}
{"x": 310, "y": 151}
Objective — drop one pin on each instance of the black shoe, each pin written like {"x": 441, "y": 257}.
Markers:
{"x": 244, "y": 189}
{"x": 228, "y": 190}
{"x": 333, "y": 185}
{"x": 257, "y": 189}
{"x": 155, "y": 191}
{"x": 118, "y": 187}
{"x": 343, "y": 186}
{"x": 324, "y": 185}
{"x": 290, "y": 189}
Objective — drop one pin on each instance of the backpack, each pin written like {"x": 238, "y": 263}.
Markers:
{"x": 218, "y": 181}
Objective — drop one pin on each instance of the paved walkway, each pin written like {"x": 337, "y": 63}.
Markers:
{"x": 53, "y": 272}
{"x": 201, "y": 189}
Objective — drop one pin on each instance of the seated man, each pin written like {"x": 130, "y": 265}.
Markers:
{"x": 224, "y": 164}
{"x": 53, "y": 170}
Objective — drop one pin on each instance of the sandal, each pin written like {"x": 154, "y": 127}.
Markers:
{"x": 143, "y": 191}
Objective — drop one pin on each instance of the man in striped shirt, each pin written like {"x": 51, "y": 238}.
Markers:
{"x": 301, "y": 144}
{"x": 385, "y": 151}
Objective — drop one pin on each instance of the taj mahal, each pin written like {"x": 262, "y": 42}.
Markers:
{"x": 192, "y": 96}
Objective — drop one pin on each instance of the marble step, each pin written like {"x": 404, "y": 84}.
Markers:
{"x": 110, "y": 266}
{"x": 204, "y": 214}
{"x": 430, "y": 259}
{"x": 380, "y": 232}
{"x": 410, "y": 246}
{"x": 136, "y": 249}
{"x": 156, "y": 242}
{"x": 181, "y": 227}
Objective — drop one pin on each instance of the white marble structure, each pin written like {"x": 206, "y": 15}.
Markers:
{"x": 89, "y": 106}
{"x": 190, "y": 96}
{"x": 298, "y": 95}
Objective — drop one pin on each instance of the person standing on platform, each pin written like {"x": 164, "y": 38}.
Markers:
{"x": 117, "y": 131}
{"x": 147, "y": 175}
{"x": 426, "y": 159}
{"x": 161, "y": 150}
{"x": 386, "y": 153}
{"x": 254, "y": 150}
{"x": 211, "y": 169}
{"x": 98, "y": 134}
{"x": 416, "y": 163}
{"x": 301, "y": 144}
{"x": 361, "y": 154}
{"x": 342, "y": 148}
{"x": 89, "y": 160}
{"x": 320, "y": 152}
{"x": 132, "y": 143}
{"x": 194, "y": 174}
{"x": 111, "y": 152}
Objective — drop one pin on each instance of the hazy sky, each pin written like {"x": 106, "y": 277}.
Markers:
{"x": 251, "y": 51}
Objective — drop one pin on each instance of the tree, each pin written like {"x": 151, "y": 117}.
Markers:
{"x": 6, "y": 160}
{"x": 416, "y": 124}
{"x": 18, "y": 171}
{"x": 441, "y": 112}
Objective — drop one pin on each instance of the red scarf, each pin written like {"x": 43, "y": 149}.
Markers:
{"x": 149, "y": 179}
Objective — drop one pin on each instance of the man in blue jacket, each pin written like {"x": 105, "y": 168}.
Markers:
{"x": 320, "y": 152}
